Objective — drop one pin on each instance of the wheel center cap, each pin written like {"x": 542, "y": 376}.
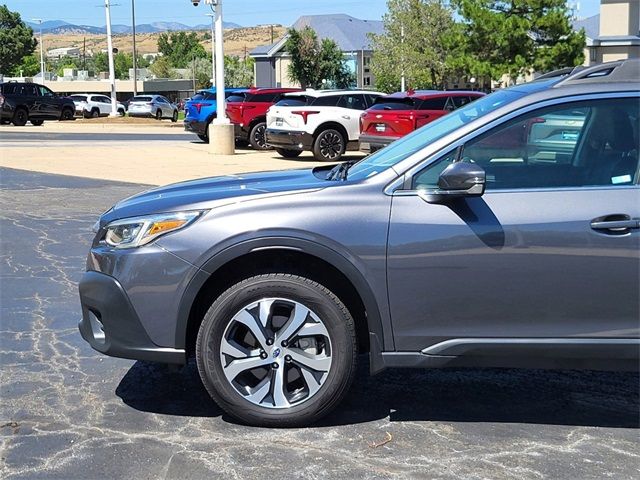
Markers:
{"x": 276, "y": 353}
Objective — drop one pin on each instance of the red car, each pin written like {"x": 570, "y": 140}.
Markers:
{"x": 396, "y": 115}
{"x": 248, "y": 112}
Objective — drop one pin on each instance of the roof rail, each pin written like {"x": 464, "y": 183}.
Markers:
{"x": 618, "y": 71}
{"x": 562, "y": 72}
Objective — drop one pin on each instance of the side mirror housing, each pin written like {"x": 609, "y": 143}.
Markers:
{"x": 460, "y": 179}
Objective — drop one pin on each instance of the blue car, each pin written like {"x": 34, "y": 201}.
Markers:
{"x": 201, "y": 109}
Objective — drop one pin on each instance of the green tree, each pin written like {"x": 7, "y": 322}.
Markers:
{"x": 161, "y": 67}
{"x": 122, "y": 62}
{"x": 16, "y": 40}
{"x": 238, "y": 72}
{"x": 65, "y": 62}
{"x": 313, "y": 61}
{"x": 180, "y": 48}
{"x": 418, "y": 41}
{"x": 100, "y": 62}
{"x": 516, "y": 36}
{"x": 28, "y": 67}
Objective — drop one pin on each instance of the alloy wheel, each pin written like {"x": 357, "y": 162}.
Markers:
{"x": 276, "y": 353}
{"x": 259, "y": 138}
{"x": 331, "y": 145}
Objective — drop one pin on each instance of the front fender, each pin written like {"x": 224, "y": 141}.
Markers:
{"x": 376, "y": 326}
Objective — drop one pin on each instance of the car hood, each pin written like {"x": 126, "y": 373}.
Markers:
{"x": 213, "y": 192}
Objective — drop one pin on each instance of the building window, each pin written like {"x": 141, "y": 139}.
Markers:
{"x": 366, "y": 81}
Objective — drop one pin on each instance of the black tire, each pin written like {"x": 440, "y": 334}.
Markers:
{"x": 159, "y": 115}
{"x": 342, "y": 339}
{"x": 204, "y": 138}
{"x": 67, "y": 114}
{"x": 174, "y": 118}
{"x": 5, "y": 121}
{"x": 257, "y": 138}
{"x": 283, "y": 152}
{"x": 95, "y": 113}
{"x": 121, "y": 112}
{"x": 329, "y": 146}
{"x": 36, "y": 123}
{"x": 20, "y": 117}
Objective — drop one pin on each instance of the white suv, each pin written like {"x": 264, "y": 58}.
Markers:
{"x": 93, "y": 105}
{"x": 327, "y": 122}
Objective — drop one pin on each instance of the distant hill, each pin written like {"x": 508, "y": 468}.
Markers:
{"x": 60, "y": 27}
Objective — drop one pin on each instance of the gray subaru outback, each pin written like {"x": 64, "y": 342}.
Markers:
{"x": 503, "y": 234}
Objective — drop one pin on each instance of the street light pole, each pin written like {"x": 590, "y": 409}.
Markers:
{"x": 135, "y": 60}
{"x": 39, "y": 20}
{"x": 221, "y": 117}
{"x": 112, "y": 75}
{"x": 213, "y": 48}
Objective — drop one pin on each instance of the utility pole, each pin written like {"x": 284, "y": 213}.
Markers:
{"x": 112, "y": 74}
{"x": 213, "y": 49}
{"x": 39, "y": 20}
{"x": 403, "y": 86}
{"x": 135, "y": 60}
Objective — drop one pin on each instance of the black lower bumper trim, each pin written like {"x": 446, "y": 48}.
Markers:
{"x": 289, "y": 140}
{"x": 111, "y": 326}
{"x": 371, "y": 143}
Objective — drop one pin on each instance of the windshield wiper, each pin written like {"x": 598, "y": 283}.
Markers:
{"x": 339, "y": 172}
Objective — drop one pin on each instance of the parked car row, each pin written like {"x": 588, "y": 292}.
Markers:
{"x": 325, "y": 122}
{"x": 22, "y": 102}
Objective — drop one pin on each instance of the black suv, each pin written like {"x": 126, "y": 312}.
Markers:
{"x": 23, "y": 102}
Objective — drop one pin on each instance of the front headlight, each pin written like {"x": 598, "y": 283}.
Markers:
{"x": 138, "y": 231}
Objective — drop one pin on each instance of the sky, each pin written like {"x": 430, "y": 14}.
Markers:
{"x": 243, "y": 12}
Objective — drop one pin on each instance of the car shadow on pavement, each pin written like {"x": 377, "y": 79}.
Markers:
{"x": 576, "y": 398}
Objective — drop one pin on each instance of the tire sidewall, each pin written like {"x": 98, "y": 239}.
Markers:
{"x": 324, "y": 304}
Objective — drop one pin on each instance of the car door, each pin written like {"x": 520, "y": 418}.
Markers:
{"x": 103, "y": 103}
{"x": 50, "y": 105}
{"x": 165, "y": 105}
{"x": 550, "y": 251}
{"x": 350, "y": 107}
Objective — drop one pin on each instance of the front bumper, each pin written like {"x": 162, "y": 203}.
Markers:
{"x": 290, "y": 140}
{"x": 195, "y": 126}
{"x": 371, "y": 143}
{"x": 111, "y": 325}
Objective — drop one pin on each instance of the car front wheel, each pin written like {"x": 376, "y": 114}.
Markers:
{"x": 277, "y": 350}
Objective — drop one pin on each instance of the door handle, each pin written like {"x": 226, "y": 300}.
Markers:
{"x": 615, "y": 223}
{"x": 346, "y": 117}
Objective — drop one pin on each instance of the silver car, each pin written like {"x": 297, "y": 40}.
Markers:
{"x": 155, "y": 106}
{"x": 504, "y": 234}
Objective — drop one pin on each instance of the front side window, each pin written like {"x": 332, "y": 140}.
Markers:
{"x": 44, "y": 91}
{"x": 354, "y": 102}
{"x": 581, "y": 144}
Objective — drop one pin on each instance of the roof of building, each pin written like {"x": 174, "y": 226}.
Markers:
{"x": 350, "y": 33}
{"x": 591, "y": 26}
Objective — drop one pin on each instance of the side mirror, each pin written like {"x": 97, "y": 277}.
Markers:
{"x": 458, "y": 180}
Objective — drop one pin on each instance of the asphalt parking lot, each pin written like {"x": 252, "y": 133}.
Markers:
{"x": 68, "y": 412}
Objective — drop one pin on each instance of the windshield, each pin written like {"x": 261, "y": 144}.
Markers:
{"x": 417, "y": 140}
{"x": 79, "y": 98}
{"x": 141, "y": 99}
{"x": 382, "y": 103}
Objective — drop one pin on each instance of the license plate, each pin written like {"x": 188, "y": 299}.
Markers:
{"x": 279, "y": 122}
{"x": 381, "y": 127}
